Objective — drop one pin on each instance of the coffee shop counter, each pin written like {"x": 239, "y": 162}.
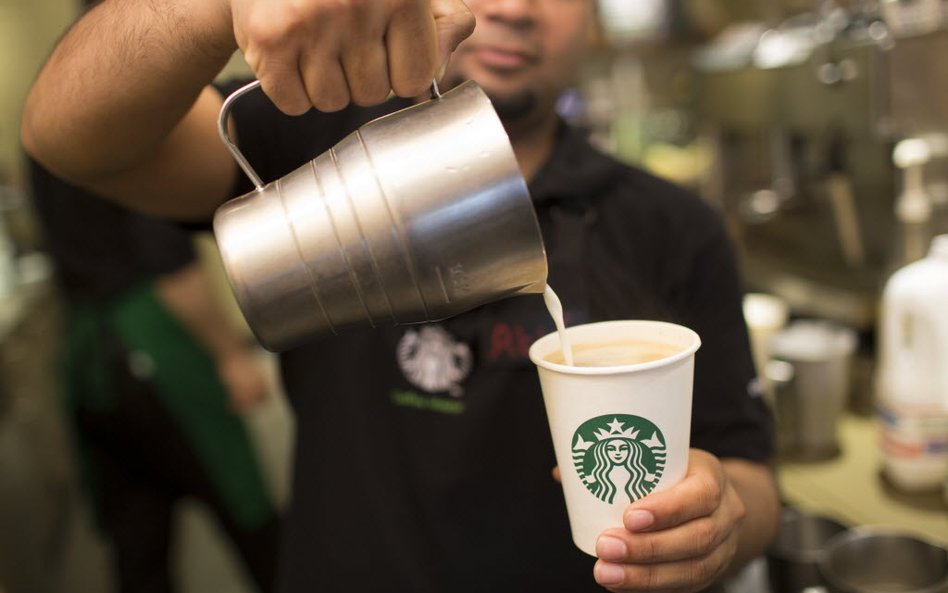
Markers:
{"x": 851, "y": 489}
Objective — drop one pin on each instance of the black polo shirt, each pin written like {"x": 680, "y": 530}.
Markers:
{"x": 423, "y": 454}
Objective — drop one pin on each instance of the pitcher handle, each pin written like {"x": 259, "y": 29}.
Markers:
{"x": 235, "y": 152}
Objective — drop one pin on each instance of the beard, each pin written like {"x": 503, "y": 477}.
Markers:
{"x": 515, "y": 108}
{"x": 510, "y": 108}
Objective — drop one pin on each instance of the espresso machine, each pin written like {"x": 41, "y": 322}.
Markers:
{"x": 803, "y": 118}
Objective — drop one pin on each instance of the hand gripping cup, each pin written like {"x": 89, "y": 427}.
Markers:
{"x": 620, "y": 419}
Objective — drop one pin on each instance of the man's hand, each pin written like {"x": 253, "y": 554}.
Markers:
{"x": 326, "y": 53}
{"x": 244, "y": 378}
{"x": 682, "y": 539}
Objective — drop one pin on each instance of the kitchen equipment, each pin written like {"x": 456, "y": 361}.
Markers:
{"x": 793, "y": 558}
{"x": 810, "y": 371}
{"x": 912, "y": 379}
{"x": 416, "y": 216}
{"x": 874, "y": 560}
{"x": 765, "y": 315}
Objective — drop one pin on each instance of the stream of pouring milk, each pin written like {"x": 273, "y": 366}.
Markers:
{"x": 555, "y": 308}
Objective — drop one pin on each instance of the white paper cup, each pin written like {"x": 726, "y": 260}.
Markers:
{"x": 619, "y": 432}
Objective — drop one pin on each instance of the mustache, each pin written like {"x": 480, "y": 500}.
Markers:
{"x": 506, "y": 39}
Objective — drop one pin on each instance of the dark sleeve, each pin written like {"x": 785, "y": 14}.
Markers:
{"x": 98, "y": 247}
{"x": 161, "y": 246}
{"x": 729, "y": 417}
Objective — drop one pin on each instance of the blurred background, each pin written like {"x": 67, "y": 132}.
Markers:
{"x": 818, "y": 128}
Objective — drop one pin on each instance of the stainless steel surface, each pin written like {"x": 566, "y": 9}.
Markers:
{"x": 803, "y": 152}
{"x": 868, "y": 560}
{"x": 793, "y": 558}
{"x": 224, "y": 133}
{"x": 810, "y": 373}
{"x": 417, "y": 216}
{"x": 788, "y": 140}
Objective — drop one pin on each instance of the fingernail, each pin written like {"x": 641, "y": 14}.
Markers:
{"x": 636, "y": 520}
{"x": 611, "y": 548}
{"x": 608, "y": 574}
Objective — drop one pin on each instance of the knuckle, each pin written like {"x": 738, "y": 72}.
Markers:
{"x": 282, "y": 95}
{"x": 269, "y": 32}
{"x": 706, "y": 537}
{"x": 651, "y": 579}
{"x": 703, "y": 571}
{"x": 652, "y": 550}
{"x": 740, "y": 510}
{"x": 709, "y": 493}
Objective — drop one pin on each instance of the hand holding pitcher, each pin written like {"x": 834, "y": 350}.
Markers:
{"x": 324, "y": 54}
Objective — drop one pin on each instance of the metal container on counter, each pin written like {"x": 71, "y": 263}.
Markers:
{"x": 873, "y": 560}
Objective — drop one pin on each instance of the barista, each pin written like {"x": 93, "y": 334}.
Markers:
{"x": 390, "y": 491}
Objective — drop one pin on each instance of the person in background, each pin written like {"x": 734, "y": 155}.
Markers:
{"x": 155, "y": 380}
{"x": 403, "y": 484}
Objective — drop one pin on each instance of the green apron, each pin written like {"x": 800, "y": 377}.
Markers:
{"x": 185, "y": 378}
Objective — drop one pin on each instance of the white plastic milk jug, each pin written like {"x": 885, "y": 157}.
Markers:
{"x": 912, "y": 380}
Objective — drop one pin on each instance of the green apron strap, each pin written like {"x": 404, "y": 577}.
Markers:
{"x": 185, "y": 377}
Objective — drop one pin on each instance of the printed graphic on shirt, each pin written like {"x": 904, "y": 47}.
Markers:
{"x": 432, "y": 360}
{"x": 407, "y": 398}
{"x": 505, "y": 343}
{"x": 619, "y": 455}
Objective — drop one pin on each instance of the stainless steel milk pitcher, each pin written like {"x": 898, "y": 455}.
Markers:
{"x": 416, "y": 216}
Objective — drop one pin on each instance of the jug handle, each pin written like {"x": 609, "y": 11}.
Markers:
{"x": 235, "y": 152}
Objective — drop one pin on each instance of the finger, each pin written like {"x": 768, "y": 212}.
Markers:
{"x": 692, "y": 540}
{"x": 280, "y": 80}
{"x": 687, "y": 575}
{"x": 326, "y": 86}
{"x": 274, "y": 61}
{"x": 699, "y": 494}
{"x": 365, "y": 59}
{"x": 453, "y": 23}
{"x": 412, "y": 48}
{"x": 557, "y": 475}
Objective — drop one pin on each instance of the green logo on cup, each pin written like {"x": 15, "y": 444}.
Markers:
{"x": 617, "y": 454}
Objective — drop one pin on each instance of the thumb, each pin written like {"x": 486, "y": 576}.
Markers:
{"x": 454, "y": 23}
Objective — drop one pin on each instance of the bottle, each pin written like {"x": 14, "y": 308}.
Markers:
{"x": 912, "y": 380}
{"x": 913, "y": 206}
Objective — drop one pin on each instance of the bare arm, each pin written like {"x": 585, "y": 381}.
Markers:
{"x": 121, "y": 106}
{"x": 756, "y": 486}
{"x": 189, "y": 296}
{"x": 116, "y": 108}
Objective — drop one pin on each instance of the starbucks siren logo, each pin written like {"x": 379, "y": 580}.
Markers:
{"x": 620, "y": 455}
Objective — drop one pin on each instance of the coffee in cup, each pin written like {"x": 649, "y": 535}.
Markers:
{"x": 615, "y": 353}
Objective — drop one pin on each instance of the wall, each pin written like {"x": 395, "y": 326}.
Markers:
{"x": 28, "y": 30}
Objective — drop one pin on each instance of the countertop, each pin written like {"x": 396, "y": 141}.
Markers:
{"x": 851, "y": 488}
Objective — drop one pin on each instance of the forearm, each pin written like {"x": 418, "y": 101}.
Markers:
{"x": 757, "y": 489}
{"x": 189, "y": 296}
{"x": 113, "y": 92}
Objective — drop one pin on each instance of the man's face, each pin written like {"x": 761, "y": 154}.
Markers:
{"x": 524, "y": 53}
